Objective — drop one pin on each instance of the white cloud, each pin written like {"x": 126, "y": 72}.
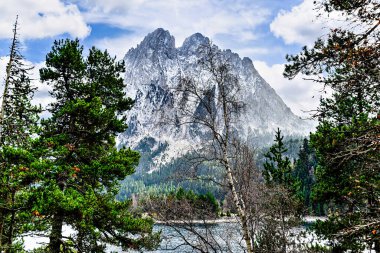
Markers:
{"x": 41, "y": 97}
{"x": 181, "y": 18}
{"x": 220, "y": 20}
{"x": 41, "y": 19}
{"x": 300, "y": 95}
{"x": 258, "y": 51}
{"x": 301, "y": 25}
{"x": 119, "y": 46}
{"x": 298, "y": 25}
{"x": 3, "y": 63}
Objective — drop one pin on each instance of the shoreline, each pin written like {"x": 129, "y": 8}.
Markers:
{"x": 233, "y": 219}
{"x": 208, "y": 221}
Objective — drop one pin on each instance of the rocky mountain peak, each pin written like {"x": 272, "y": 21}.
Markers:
{"x": 159, "y": 39}
{"x": 247, "y": 62}
{"x": 152, "y": 75}
{"x": 192, "y": 43}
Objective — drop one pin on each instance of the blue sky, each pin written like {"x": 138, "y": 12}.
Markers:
{"x": 264, "y": 30}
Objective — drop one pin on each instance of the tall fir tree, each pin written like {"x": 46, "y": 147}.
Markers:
{"x": 279, "y": 178}
{"x": 82, "y": 165}
{"x": 18, "y": 122}
{"x": 18, "y": 117}
{"x": 347, "y": 138}
{"x": 304, "y": 173}
{"x": 278, "y": 167}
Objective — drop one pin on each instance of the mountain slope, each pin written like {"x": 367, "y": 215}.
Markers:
{"x": 152, "y": 74}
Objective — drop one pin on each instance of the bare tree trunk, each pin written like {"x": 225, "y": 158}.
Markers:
{"x": 223, "y": 91}
{"x": 56, "y": 234}
{"x": 238, "y": 203}
{"x": 240, "y": 210}
{"x": 1, "y": 230}
{"x": 238, "y": 200}
{"x": 377, "y": 246}
{"x": 11, "y": 227}
{"x": 7, "y": 79}
{"x": 283, "y": 239}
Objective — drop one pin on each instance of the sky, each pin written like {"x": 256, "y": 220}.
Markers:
{"x": 263, "y": 30}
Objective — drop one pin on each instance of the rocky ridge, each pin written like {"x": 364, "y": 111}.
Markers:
{"x": 152, "y": 69}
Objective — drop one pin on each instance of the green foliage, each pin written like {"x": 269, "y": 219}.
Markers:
{"x": 18, "y": 173}
{"x": 277, "y": 168}
{"x": 211, "y": 200}
{"x": 305, "y": 179}
{"x": 18, "y": 122}
{"x": 349, "y": 183}
{"x": 281, "y": 201}
{"x": 169, "y": 177}
{"x": 181, "y": 204}
{"x": 346, "y": 140}
{"x": 81, "y": 165}
{"x": 18, "y": 117}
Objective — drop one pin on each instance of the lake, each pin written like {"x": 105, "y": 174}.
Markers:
{"x": 222, "y": 236}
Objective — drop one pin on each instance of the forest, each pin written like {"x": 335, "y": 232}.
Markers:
{"x": 66, "y": 170}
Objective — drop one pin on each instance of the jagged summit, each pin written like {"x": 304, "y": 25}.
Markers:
{"x": 192, "y": 43}
{"x": 159, "y": 38}
{"x": 152, "y": 72}
{"x": 155, "y": 45}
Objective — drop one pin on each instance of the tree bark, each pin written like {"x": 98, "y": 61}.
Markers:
{"x": 56, "y": 234}
{"x": 230, "y": 178}
{"x": 1, "y": 230}
{"x": 238, "y": 205}
{"x": 283, "y": 239}
{"x": 11, "y": 227}
{"x": 377, "y": 246}
{"x": 7, "y": 79}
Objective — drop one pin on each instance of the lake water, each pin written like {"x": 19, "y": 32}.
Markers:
{"x": 221, "y": 236}
{"x": 216, "y": 234}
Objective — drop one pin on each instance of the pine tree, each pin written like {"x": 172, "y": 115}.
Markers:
{"x": 82, "y": 165}
{"x": 304, "y": 174}
{"x": 18, "y": 117}
{"x": 346, "y": 140}
{"x": 279, "y": 178}
{"x": 278, "y": 168}
{"x": 18, "y": 121}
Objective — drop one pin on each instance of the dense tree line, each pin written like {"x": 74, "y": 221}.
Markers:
{"x": 304, "y": 173}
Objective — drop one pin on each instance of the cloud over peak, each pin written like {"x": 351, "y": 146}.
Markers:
{"x": 179, "y": 17}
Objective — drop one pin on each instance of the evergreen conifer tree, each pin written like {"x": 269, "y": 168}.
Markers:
{"x": 82, "y": 167}
{"x": 278, "y": 168}
{"x": 18, "y": 117}
{"x": 347, "y": 138}
{"x": 18, "y": 122}
{"x": 304, "y": 174}
{"x": 278, "y": 175}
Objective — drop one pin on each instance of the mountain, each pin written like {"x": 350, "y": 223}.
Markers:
{"x": 152, "y": 69}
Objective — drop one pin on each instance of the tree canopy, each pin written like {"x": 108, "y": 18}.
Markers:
{"x": 80, "y": 166}
{"x": 18, "y": 123}
{"x": 347, "y": 138}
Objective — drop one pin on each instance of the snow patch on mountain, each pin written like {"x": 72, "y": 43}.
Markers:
{"x": 152, "y": 70}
